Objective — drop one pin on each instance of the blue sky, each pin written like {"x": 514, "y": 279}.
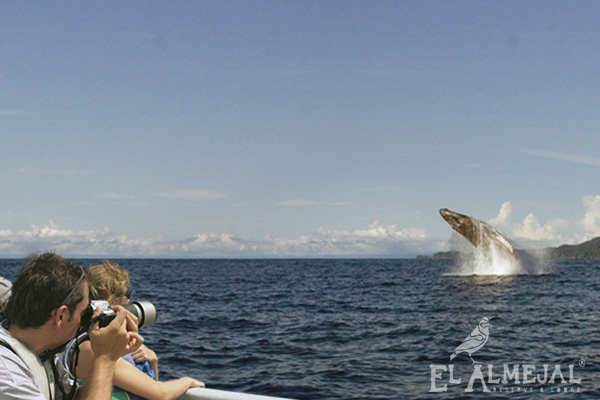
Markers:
{"x": 295, "y": 128}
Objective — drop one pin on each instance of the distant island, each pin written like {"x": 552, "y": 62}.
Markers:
{"x": 588, "y": 250}
{"x": 585, "y": 250}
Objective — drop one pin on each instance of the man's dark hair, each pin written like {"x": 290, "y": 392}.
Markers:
{"x": 42, "y": 286}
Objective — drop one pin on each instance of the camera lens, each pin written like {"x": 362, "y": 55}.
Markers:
{"x": 144, "y": 311}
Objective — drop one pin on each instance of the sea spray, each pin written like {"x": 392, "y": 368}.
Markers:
{"x": 496, "y": 261}
{"x": 493, "y": 261}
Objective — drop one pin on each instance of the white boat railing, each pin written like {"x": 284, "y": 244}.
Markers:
{"x": 213, "y": 394}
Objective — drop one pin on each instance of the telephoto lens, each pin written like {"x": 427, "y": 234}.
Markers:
{"x": 143, "y": 310}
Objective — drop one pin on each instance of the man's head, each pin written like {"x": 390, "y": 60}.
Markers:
{"x": 45, "y": 283}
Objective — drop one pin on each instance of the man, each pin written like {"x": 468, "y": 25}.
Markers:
{"x": 45, "y": 310}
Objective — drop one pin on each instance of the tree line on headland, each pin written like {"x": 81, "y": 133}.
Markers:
{"x": 589, "y": 249}
{"x": 585, "y": 250}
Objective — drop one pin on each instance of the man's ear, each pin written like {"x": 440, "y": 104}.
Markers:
{"x": 63, "y": 314}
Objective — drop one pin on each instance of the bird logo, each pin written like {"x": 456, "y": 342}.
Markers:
{"x": 475, "y": 341}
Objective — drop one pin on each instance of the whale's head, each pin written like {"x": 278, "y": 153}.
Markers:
{"x": 453, "y": 218}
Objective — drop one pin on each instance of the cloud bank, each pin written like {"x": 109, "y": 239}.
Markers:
{"x": 376, "y": 240}
{"x": 530, "y": 229}
{"x": 529, "y": 232}
{"x": 532, "y": 232}
{"x": 583, "y": 159}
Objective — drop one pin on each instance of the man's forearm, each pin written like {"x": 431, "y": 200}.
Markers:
{"x": 99, "y": 383}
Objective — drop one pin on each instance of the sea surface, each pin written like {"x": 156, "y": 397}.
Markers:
{"x": 370, "y": 329}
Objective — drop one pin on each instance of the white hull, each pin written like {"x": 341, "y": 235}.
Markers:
{"x": 212, "y": 394}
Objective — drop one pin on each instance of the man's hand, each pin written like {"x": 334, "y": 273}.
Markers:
{"x": 118, "y": 338}
{"x": 109, "y": 344}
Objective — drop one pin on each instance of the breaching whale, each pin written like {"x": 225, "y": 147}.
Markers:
{"x": 480, "y": 234}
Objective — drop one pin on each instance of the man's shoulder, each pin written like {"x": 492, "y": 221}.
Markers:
{"x": 8, "y": 355}
{"x": 16, "y": 380}
{"x": 11, "y": 362}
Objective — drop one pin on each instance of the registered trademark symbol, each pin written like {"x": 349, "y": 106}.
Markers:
{"x": 581, "y": 362}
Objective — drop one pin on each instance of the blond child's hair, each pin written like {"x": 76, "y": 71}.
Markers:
{"x": 107, "y": 281}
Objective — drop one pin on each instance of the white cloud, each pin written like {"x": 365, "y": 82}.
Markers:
{"x": 123, "y": 199}
{"x": 530, "y": 229}
{"x": 51, "y": 171}
{"x": 308, "y": 202}
{"x": 569, "y": 157}
{"x": 114, "y": 196}
{"x": 191, "y": 194}
{"x": 591, "y": 219}
{"x": 503, "y": 217}
{"x": 297, "y": 203}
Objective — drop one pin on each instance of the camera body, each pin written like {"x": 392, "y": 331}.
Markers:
{"x": 108, "y": 314}
{"x": 143, "y": 310}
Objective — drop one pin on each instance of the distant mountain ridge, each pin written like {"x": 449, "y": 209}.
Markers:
{"x": 585, "y": 250}
{"x": 588, "y": 250}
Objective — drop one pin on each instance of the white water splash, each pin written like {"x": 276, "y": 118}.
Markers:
{"x": 496, "y": 261}
{"x": 493, "y": 261}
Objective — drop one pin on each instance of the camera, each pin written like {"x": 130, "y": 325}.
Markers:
{"x": 143, "y": 310}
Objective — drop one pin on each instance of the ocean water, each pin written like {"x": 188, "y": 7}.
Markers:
{"x": 370, "y": 329}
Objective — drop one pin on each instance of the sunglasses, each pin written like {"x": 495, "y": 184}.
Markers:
{"x": 74, "y": 287}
